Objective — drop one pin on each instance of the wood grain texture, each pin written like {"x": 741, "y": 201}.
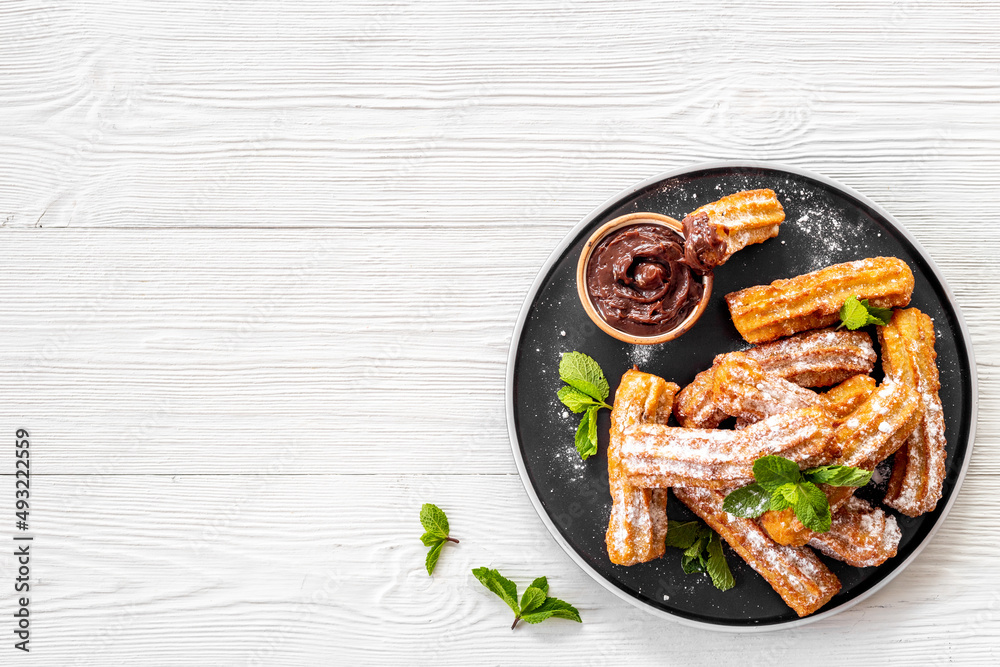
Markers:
{"x": 263, "y": 260}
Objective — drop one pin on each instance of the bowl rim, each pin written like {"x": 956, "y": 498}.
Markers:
{"x": 540, "y": 278}
{"x": 621, "y": 222}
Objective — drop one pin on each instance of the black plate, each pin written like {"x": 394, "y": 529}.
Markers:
{"x": 825, "y": 224}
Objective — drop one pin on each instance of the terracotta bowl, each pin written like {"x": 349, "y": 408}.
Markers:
{"x": 581, "y": 279}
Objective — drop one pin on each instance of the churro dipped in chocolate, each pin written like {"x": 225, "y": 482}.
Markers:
{"x": 715, "y": 231}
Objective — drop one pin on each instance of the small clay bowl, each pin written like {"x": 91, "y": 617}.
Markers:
{"x": 581, "y": 280}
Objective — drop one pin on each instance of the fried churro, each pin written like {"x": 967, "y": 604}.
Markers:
{"x": 860, "y": 535}
{"x": 715, "y": 231}
{"x": 811, "y": 359}
{"x": 657, "y": 456}
{"x": 813, "y": 300}
{"x": 848, "y": 396}
{"x": 908, "y": 356}
{"x": 872, "y": 433}
{"x": 741, "y": 388}
{"x": 796, "y": 573}
{"x": 638, "y": 523}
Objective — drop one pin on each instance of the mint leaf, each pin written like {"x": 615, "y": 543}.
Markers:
{"x": 692, "y": 564}
{"x": 532, "y": 598}
{"x": 580, "y": 371}
{"x": 698, "y": 545}
{"x": 778, "y": 503}
{"x": 789, "y": 493}
{"x": 748, "y": 502}
{"x": 877, "y": 315}
{"x": 504, "y": 588}
{"x": 541, "y": 583}
{"x": 432, "y": 557}
{"x": 586, "y": 434}
{"x": 855, "y": 314}
{"x": 585, "y": 392}
{"x": 774, "y": 471}
{"x": 718, "y": 568}
{"x": 682, "y": 534}
{"x": 576, "y": 400}
{"x": 430, "y": 539}
{"x": 812, "y": 507}
{"x": 852, "y": 314}
{"x": 553, "y": 608}
{"x": 835, "y": 475}
{"x": 535, "y": 605}
{"x": 434, "y": 520}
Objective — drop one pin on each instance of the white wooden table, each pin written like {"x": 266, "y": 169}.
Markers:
{"x": 262, "y": 264}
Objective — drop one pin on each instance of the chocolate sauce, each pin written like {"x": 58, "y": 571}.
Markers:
{"x": 640, "y": 282}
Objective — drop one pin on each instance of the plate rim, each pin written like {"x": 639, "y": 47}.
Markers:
{"x": 519, "y": 328}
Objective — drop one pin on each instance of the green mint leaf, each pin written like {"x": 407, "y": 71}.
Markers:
{"x": 532, "y": 598}
{"x": 432, "y": 557}
{"x": 541, "y": 583}
{"x": 692, "y": 564}
{"x": 504, "y": 588}
{"x": 576, "y": 400}
{"x": 812, "y": 507}
{"x": 774, "y": 471}
{"x": 682, "y": 534}
{"x": 586, "y": 434}
{"x": 718, "y": 568}
{"x": 430, "y": 539}
{"x": 877, "y": 315}
{"x": 853, "y": 315}
{"x": 700, "y": 542}
{"x": 433, "y": 520}
{"x": 778, "y": 503}
{"x": 580, "y": 371}
{"x": 835, "y": 475}
{"x": 748, "y": 502}
{"x": 789, "y": 492}
{"x": 553, "y": 608}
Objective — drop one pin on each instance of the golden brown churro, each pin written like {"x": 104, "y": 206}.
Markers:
{"x": 849, "y": 395}
{"x": 860, "y": 535}
{"x": 657, "y": 456}
{"x": 741, "y": 388}
{"x": 813, "y": 300}
{"x": 908, "y": 357}
{"x": 796, "y": 573}
{"x": 872, "y": 433}
{"x": 811, "y": 359}
{"x": 638, "y": 523}
{"x": 717, "y": 230}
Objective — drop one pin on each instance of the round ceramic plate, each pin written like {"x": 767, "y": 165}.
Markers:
{"x": 826, "y": 223}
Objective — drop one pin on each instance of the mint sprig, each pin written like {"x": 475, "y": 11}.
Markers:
{"x": 535, "y": 605}
{"x": 855, "y": 314}
{"x": 702, "y": 551}
{"x": 585, "y": 391}
{"x": 435, "y": 523}
{"x": 780, "y": 485}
